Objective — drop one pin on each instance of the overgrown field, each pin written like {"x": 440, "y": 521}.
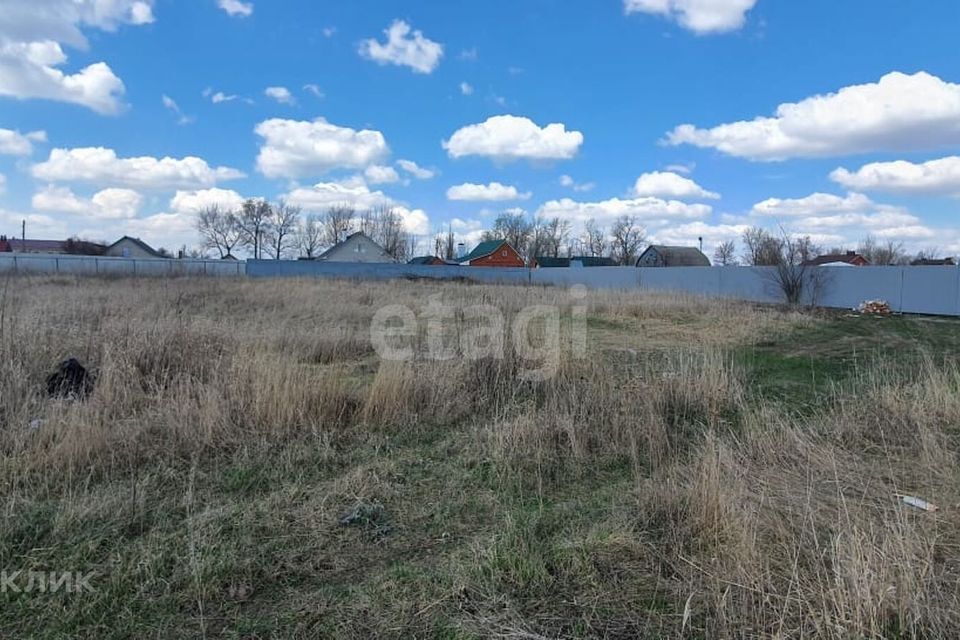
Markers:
{"x": 246, "y": 466}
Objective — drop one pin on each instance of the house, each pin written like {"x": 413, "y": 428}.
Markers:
{"x": 433, "y": 261}
{"x": 358, "y": 247}
{"x": 127, "y": 247}
{"x": 548, "y": 262}
{"x": 930, "y": 262}
{"x": 850, "y": 259}
{"x": 18, "y": 245}
{"x": 659, "y": 255}
{"x": 5, "y": 245}
{"x": 493, "y": 253}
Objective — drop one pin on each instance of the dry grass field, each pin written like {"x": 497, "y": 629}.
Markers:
{"x": 247, "y": 467}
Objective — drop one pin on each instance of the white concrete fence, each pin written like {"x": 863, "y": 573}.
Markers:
{"x": 120, "y": 267}
{"x": 926, "y": 290}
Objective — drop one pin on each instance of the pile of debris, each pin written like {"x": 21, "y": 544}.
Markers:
{"x": 875, "y": 308}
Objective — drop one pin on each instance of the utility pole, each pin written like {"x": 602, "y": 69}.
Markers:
{"x": 23, "y": 235}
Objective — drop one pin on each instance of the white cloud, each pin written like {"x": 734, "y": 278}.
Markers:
{"x": 315, "y": 90}
{"x": 280, "y": 94}
{"x": 814, "y": 204}
{"x": 220, "y": 96}
{"x": 899, "y": 113}
{"x": 699, "y": 16}
{"x": 645, "y": 209}
{"x": 32, "y": 35}
{"x": 509, "y": 137}
{"x": 685, "y": 169}
{"x": 296, "y": 149}
{"x": 14, "y": 143}
{"x": 415, "y": 170}
{"x": 934, "y": 177}
{"x": 570, "y": 183}
{"x": 323, "y": 195}
{"x": 379, "y": 174}
{"x": 98, "y": 165}
{"x": 236, "y": 8}
{"x": 404, "y": 47}
{"x": 106, "y": 204}
{"x": 843, "y": 219}
{"x": 493, "y": 192}
{"x": 666, "y": 184}
{"x": 188, "y": 202}
{"x": 466, "y": 88}
{"x": 3, "y": 184}
{"x": 415, "y": 221}
{"x": 171, "y": 105}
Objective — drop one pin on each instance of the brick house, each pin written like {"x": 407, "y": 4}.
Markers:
{"x": 494, "y": 253}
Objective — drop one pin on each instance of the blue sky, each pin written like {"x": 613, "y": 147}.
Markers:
{"x": 699, "y": 117}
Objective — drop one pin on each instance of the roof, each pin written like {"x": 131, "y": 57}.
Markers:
{"x": 424, "y": 260}
{"x": 140, "y": 243}
{"x": 38, "y": 246}
{"x": 678, "y": 256}
{"x": 586, "y": 261}
{"x": 484, "y": 249}
{"x": 850, "y": 257}
{"x": 929, "y": 262}
{"x": 325, "y": 254}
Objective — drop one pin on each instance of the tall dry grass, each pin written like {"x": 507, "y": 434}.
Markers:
{"x": 748, "y": 520}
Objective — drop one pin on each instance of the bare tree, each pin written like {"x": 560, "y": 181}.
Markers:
{"x": 556, "y": 233}
{"x": 219, "y": 229}
{"x": 338, "y": 223}
{"x": 514, "y": 228}
{"x": 253, "y": 221}
{"x": 281, "y": 228}
{"x": 310, "y": 236}
{"x": 725, "y": 254}
{"x": 882, "y": 254}
{"x": 385, "y": 227}
{"x": 761, "y": 248}
{"x": 626, "y": 238}
{"x": 594, "y": 239}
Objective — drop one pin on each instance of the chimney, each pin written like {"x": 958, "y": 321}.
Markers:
{"x": 461, "y": 250}
{"x": 851, "y": 253}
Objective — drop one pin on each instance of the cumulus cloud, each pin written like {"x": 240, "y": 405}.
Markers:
{"x": 352, "y": 192}
{"x": 699, "y": 16}
{"x": 236, "y": 8}
{"x": 665, "y": 184}
{"x": 847, "y": 218}
{"x": 415, "y": 221}
{"x": 415, "y": 170}
{"x": 14, "y": 143}
{"x": 32, "y": 35}
{"x": 493, "y": 192}
{"x": 379, "y": 174}
{"x": 404, "y": 47}
{"x": 506, "y": 138}
{"x": 98, "y": 165}
{"x": 934, "y": 177}
{"x": 106, "y": 204}
{"x": 296, "y": 149}
{"x": 606, "y": 211}
{"x": 899, "y": 113}
{"x": 190, "y": 202}
{"x": 280, "y": 94}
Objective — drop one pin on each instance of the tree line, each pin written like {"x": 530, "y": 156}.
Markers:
{"x": 279, "y": 230}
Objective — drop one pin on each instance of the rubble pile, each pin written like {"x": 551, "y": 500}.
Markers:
{"x": 875, "y": 308}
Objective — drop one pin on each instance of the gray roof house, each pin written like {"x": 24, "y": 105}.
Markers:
{"x": 658, "y": 255}
{"x": 127, "y": 247}
{"x": 358, "y": 247}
